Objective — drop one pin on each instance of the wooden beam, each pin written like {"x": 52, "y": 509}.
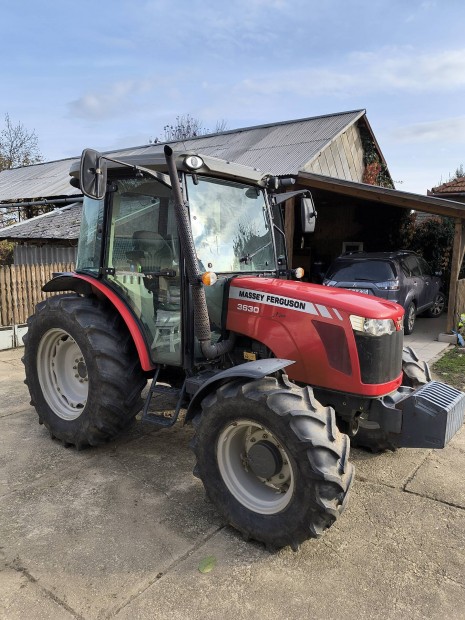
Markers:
{"x": 456, "y": 264}
{"x": 383, "y": 195}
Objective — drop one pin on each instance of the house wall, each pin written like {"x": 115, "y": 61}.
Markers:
{"x": 342, "y": 159}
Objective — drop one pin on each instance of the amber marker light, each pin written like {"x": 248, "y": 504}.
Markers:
{"x": 209, "y": 278}
{"x": 299, "y": 273}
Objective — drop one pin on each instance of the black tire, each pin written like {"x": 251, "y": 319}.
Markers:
{"x": 369, "y": 435}
{"x": 314, "y": 460}
{"x": 438, "y": 306}
{"x": 410, "y": 318}
{"x": 82, "y": 370}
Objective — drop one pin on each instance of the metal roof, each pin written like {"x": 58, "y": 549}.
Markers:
{"x": 279, "y": 148}
{"x": 58, "y": 224}
{"x": 37, "y": 181}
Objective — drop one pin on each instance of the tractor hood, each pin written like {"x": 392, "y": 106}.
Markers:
{"x": 312, "y": 298}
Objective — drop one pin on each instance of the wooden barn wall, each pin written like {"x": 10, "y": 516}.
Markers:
{"x": 342, "y": 159}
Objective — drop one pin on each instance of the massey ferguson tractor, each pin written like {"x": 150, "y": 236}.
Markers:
{"x": 182, "y": 279}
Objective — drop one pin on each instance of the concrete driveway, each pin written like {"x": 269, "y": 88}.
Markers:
{"x": 119, "y": 531}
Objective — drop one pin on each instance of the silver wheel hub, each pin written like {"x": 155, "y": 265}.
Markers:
{"x": 411, "y": 317}
{"x": 255, "y": 467}
{"x": 62, "y": 374}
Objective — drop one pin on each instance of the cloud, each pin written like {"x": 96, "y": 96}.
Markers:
{"x": 112, "y": 101}
{"x": 449, "y": 130}
{"x": 361, "y": 73}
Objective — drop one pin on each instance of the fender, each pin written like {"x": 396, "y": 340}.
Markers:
{"x": 86, "y": 285}
{"x": 250, "y": 371}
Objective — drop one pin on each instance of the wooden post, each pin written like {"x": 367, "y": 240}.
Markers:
{"x": 456, "y": 264}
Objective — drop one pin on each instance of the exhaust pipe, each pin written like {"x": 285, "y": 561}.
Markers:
{"x": 201, "y": 319}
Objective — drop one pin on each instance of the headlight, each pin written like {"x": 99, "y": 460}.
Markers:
{"x": 372, "y": 327}
{"x": 193, "y": 162}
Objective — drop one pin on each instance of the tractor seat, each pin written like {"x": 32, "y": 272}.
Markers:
{"x": 151, "y": 249}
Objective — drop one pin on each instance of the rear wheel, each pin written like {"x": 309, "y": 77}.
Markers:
{"x": 82, "y": 370}
{"x": 409, "y": 318}
{"x": 438, "y": 306}
{"x": 272, "y": 460}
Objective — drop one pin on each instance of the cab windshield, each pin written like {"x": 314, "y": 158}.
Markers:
{"x": 230, "y": 226}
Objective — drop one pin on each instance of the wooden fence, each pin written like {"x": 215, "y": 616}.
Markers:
{"x": 21, "y": 289}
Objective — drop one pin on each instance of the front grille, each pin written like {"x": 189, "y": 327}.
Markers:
{"x": 380, "y": 357}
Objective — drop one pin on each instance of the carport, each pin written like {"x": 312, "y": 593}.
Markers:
{"x": 329, "y": 191}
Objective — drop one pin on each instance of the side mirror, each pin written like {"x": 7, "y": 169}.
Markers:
{"x": 93, "y": 174}
{"x": 308, "y": 214}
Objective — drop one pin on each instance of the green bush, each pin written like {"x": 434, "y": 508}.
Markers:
{"x": 433, "y": 239}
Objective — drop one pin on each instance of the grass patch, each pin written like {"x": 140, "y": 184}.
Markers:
{"x": 451, "y": 368}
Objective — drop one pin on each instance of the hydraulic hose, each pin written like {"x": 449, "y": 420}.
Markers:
{"x": 201, "y": 319}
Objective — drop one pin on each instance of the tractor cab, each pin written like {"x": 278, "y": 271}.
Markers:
{"x": 130, "y": 239}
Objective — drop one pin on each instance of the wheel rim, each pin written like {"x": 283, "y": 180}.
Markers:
{"x": 235, "y": 453}
{"x": 438, "y": 305}
{"x": 62, "y": 373}
{"x": 411, "y": 317}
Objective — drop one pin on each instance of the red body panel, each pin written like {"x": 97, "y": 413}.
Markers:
{"x": 284, "y": 315}
{"x": 127, "y": 317}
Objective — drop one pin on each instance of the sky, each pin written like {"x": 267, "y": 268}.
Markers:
{"x": 112, "y": 74}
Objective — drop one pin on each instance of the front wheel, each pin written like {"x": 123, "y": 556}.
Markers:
{"x": 272, "y": 460}
{"x": 82, "y": 370}
{"x": 370, "y": 435}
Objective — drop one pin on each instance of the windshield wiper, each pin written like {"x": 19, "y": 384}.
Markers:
{"x": 245, "y": 259}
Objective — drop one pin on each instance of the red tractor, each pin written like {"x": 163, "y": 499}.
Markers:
{"x": 182, "y": 278}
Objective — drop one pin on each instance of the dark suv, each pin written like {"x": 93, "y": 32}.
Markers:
{"x": 403, "y": 277}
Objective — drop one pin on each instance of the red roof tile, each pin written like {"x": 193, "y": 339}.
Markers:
{"x": 452, "y": 187}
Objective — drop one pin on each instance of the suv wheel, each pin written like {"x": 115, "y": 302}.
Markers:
{"x": 409, "y": 318}
{"x": 438, "y": 306}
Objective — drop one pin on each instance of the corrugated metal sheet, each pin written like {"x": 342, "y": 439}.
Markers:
{"x": 37, "y": 181}
{"x": 279, "y": 148}
{"x": 43, "y": 255}
{"x": 59, "y": 224}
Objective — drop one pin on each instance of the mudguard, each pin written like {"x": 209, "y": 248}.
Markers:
{"x": 250, "y": 370}
{"x": 86, "y": 285}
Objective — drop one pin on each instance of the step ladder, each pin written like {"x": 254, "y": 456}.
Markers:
{"x": 156, "y": 389}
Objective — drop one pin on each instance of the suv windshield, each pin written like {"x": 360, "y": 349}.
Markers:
{"x": 230, "y": 226}
{"x": 371, "y": 270}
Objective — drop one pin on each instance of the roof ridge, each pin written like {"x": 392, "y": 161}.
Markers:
{"x": 241, "y": 129}
{"x": 457, "y": 181}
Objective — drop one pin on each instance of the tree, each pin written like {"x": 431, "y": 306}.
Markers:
{"x": 187, "y": 126}
{"x": 18, "y": 146}
{"x": 459, "y": 173}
